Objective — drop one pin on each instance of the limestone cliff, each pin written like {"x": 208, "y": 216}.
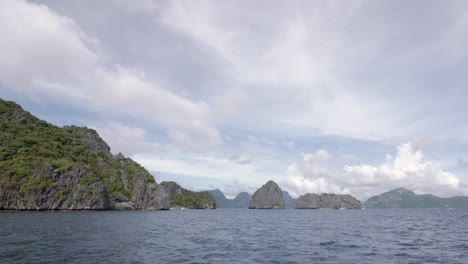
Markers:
{"x": 45, "y": 167}
{"x": 269, "y": 196}
{"x": 327, "y": 201}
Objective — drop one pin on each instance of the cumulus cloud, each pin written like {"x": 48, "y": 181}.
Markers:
{"x": 46, "y": 56}
{"x": 124, "y": 139}
{"x": 231, "y": 190}
{"x": 314, "y": 176}
{"x": 407, "y": 169}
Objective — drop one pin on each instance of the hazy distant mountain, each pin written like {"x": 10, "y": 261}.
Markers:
{"x": 289, "y": 202}
{"x": 242, "y": 200}
{"x": 221, "y": 200}
{"x": 403, "y": 198}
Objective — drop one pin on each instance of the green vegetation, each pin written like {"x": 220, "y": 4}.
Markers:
{"x": 35, "y": 154}
{"x": 195, "y": 200}
{"x": 403, "y": 198}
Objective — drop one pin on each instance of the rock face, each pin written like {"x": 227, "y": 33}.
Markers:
{"x": 269, "y": 196}
{"x": 327, "y": 201}
{"x": 182, "y": 198}
{"x": 45, "y": 167}
{"x": 289, "y": 202}
{"x": 221, "y": 200}
{"x": 403, "y": 198}
{"x": 242, "y": 200}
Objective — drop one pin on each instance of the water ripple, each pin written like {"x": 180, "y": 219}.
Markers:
{"x": 236, "y": 236}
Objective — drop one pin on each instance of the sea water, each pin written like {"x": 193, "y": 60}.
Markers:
{"x": 236, "y": 236}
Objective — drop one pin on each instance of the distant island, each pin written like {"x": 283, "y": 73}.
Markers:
{"x": 269, "y": 196}
{"x": 45, "y": 167}
{"x": 328, "y": 201}
{"x": 403, "y": 198}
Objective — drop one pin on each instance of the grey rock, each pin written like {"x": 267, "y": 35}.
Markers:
{"x": 89, "y": 136}
{"x": 327, "y": 201}
{"x": 101, "y": 182}
{"x": 242, "y": 200}
{"x": 67, "y": 193}
{"x": 124, "y": 206}
{"x": 289, "y": 202}
{"x": 221, "y": 200}
{"x": 269, "y": 196}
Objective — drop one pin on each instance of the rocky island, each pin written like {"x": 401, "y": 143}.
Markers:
{"x": 327, "y": 201}
{"x": 269, "y": 196}
{"x": 45, "y": 167}
{"x": 404, "y": 198}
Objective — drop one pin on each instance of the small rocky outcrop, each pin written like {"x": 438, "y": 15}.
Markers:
{"x": 269, "y": 196}
{"x": 183, "y": 198}
{"x": 327, "y": 201}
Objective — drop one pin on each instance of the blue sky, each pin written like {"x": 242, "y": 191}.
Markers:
{"x": 321, "y": 96}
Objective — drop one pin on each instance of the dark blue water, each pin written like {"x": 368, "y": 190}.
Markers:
{"x": 236, "y": 236}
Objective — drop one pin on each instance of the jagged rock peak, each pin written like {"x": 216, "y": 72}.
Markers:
{"x": 269, "y": 196}
{"x": 327, "y": 201}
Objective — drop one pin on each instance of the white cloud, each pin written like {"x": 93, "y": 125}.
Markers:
{"x": 298, "y": 183}
{"x": 231, "y": 190}
{"x": 314, "y": 176}
{"x": 45, "y": 55}
{"x": 408, "y": 169}
{"x": 40, "y": 45}
{"x": 124, "y": 139}
{"x": 291, "y": 73}
{"x": 217, "y": 169}
{"x": 327, "y": 73}
{"x": 283, "y": 74}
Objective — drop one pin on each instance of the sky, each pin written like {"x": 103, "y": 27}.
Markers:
{"x": 357, "y": 97}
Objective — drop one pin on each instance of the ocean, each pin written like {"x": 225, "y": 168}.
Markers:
{"x": 235, "y": 236}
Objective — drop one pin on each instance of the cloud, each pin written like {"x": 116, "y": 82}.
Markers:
{"x": 199, "y": 77}
{"x": 327, "y": 74}
{"x": 312, "y": 176}
{"x": 298, "y": 183}
{"x": 218, "y": 169}
{"x": 38, "y": 45}
{"x": 463, "y": 160}
{"x": 233, "y": 189}
{"x": 407, "y": 169}
{"x": 46, "y": 56}
{"x": 124, "y": 139}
